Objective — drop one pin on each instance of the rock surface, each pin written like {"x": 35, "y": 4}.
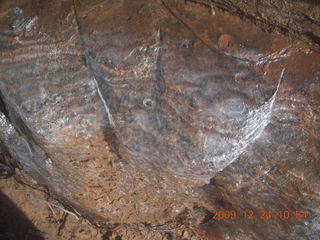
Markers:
{"x": 299, "y": 19}
{"x": 160, "y": 112}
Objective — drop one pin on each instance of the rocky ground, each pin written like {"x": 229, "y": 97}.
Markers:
{"x": 28, "y": 213}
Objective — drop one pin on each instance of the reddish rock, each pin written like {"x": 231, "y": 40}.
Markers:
{"x": 149, "y": 112}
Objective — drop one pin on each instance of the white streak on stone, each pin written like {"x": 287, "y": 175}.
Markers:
{"x": 110, "y": 117}
{"x": 27, "y": 145}
{"x": 49, "y": 163}
{"x": 6, "y": 126}
{"x": 31, "y": 23}
{"x": 256, "y": 122}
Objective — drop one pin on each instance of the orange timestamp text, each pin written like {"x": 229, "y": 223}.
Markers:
{"x": 263, "y": 214}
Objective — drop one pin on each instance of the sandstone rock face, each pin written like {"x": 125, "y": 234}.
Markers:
{"x": 141, "y": 111}
{"x": 298, "y": 19}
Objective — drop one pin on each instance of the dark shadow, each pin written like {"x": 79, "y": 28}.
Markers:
{"x": 111, "y": 138}
{"x": 14, "y": 225}
{"x": 108, "y": 235}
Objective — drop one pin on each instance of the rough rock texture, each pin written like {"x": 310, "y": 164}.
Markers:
{"x": 298, "y": 19}
{"x": 146, "y": 116}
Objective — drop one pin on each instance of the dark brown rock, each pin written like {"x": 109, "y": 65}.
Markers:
{"x": 298, "y": 19}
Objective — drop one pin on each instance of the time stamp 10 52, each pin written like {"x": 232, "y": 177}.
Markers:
{"x": 263, "y": 214}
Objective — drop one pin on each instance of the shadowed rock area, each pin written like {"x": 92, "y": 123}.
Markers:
{"x": 17, "y": 227}
{"x": 148, "y": 117}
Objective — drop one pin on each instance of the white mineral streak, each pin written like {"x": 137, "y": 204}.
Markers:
{"x": 273, "y": 57}
{"x": 31, "y": 22}
{"x": 27, "y": 145}
{"x": 256, "y": 122}
{"x": 260, "y": 59}
{"x": 48, "y": 162}
{"x": 5, "y": 126}
{"x": 110, "y": 117}
{"x": 20, "y": 25}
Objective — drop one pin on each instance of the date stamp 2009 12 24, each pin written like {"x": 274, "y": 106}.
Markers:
{"x": 263, "y": 214}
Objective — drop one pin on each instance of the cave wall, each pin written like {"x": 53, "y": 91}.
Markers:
{"x": 299, "y": 19}
{"x": 159, "y": 112}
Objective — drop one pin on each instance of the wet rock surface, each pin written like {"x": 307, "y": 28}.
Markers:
{"x": 145, "y": 117}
